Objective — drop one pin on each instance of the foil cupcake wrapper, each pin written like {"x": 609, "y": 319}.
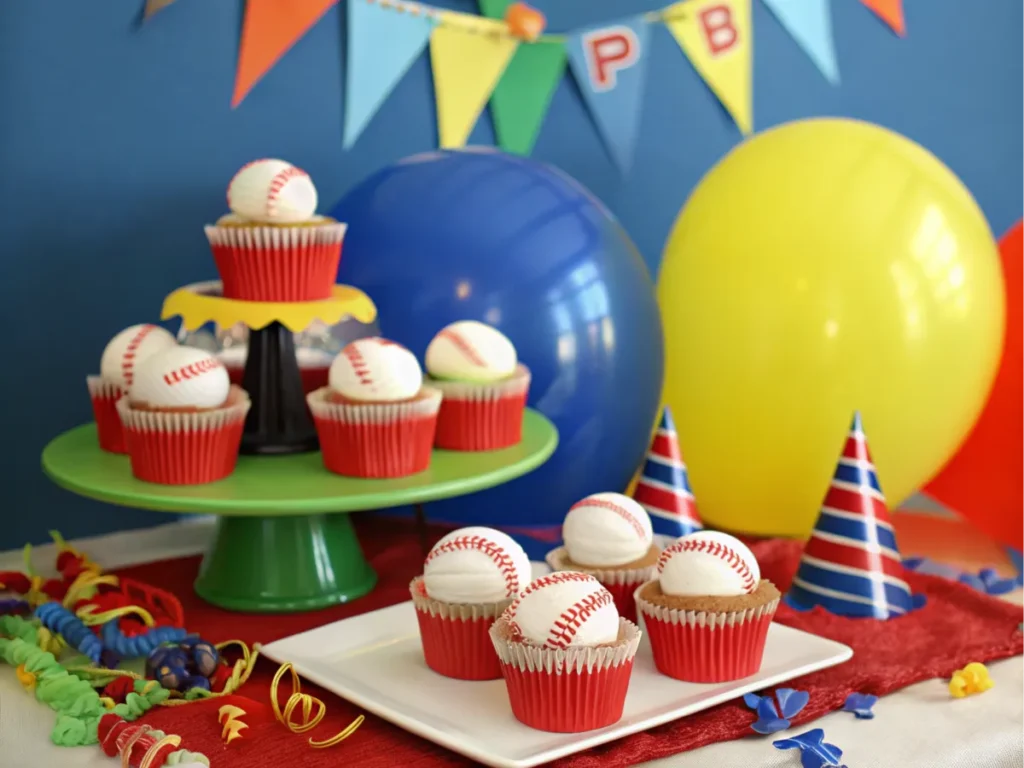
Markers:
{"x": 622, "y": 583}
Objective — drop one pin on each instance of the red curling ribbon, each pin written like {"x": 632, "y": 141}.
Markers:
{"x": 119, "y": 688}
{"x": 15, "y": 581}
{"x": 110, "y": 726}
{"x": 163, "y": 606}
{"x": 220, "y": 678}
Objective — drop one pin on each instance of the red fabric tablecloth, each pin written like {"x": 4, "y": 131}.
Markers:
{"x": 956, "y": 626}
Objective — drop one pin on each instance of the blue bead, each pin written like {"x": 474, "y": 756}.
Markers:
{"x": 195, "y": 681}
{"x": 205, "y": 658}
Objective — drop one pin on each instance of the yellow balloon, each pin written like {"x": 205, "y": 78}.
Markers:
{"x": 823, "y": 267}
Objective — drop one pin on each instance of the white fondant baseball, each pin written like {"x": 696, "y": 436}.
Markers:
{"x": 272, "y": 191}
{"x": 375, "y": 370}
{"x": 476, "y": 565}
{"x": 471, "y": 351}
{"x": 563, "y": 610}
{"x": 607, "y": 529}
{"x": 181, "y": 377}
{"x": 708, "y": 563}
{"x": 124, "y": 352}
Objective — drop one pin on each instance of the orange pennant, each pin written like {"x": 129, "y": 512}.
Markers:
{"x": 891, "y": 12}
{"x": 271, "y": 27}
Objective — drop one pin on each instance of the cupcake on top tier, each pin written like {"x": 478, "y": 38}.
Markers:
{"x": 609, "y": 536}
{"x": 182, "y": 418}
{"x": 273, "y": 246}
{"x": 707, "y": 613}
{"x": 469, "y": 578}
{"x": 121, "y": 357}
{"x": 566, "y": 654}
{"x": 375, "y": 418}
{"x": 484, "y": 387}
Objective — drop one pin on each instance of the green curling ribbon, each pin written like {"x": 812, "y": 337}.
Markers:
{"x": 15, "y": 626}
{"x": 184, "y": 757}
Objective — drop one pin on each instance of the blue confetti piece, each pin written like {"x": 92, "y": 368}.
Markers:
{"x": 814, "y": 752}
{"x": 917, "y": 601}
{"x": 860, "y": 705}
{"x": 791, "y": 702}
{"x": 768, "y": 720}
{"x": 751, "y": 700}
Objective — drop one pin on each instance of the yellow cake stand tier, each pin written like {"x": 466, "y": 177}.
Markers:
{"x": 279, "y": 421}
{"x": 202, "y": 303}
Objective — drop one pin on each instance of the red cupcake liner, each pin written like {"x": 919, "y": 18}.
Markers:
{"x": 482, "y": 416}
{"x": 277, "y": 263}
{"x": 104, "y": 395}
{"x": 375, "y": 440}
{"x": 567, "y": 691}
{"x": 184, "y": 448}
{"x": 707, "y": 648}
{"x": 622, "y": 583}
{"x": 456, "y": 642}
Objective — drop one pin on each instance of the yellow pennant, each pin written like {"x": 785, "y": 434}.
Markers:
{"x": 468, "y": 61}
{"x": 716, "y": 36}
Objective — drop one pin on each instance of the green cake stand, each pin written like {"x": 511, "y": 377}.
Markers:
{"x": 284, "y": 541}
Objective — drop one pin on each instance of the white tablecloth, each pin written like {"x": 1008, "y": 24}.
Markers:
{"x": 918, "y": 727}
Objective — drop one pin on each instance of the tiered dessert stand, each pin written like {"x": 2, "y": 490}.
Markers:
{"x": 284, "y": 541}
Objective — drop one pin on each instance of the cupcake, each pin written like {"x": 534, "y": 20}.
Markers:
{"x": 708, "y": 611}
{"x": 609, "y": 536}
{"x": 469, "y": 578}
{"x": 120, "y": 359}
{"x": 566, "y": 654}
{"x": 272, "y": 246}
{"x": 182, "y": 418}
{"x": 375, "y": 418}
{"x": 484, "y": 387}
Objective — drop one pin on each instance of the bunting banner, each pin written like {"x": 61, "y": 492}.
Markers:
{"x": 810, "y": 24}
{"x": 504, "y": 58}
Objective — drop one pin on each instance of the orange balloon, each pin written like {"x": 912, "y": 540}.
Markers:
{"x": 983, "y": 481}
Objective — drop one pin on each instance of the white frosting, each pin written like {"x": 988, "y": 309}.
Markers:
{"x": 272, "y": 191}
{"x": 607, "y": 529}
{"x": 471, "y": 351}
{"x": 181, "y": 377}
{"x": 708, "y": 563}
{"x": 124, "y": 353}
{"x": 565, "y": 609}
{"x": 476, "y": 565}
{"x": 376, "y": 370}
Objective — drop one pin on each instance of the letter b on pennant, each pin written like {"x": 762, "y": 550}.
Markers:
{"x": 719, "y": 31}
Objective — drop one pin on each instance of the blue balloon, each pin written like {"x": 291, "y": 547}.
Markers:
{"x": 482, "y": 235}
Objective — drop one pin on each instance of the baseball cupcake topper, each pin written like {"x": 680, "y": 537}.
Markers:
{"x": 664, "y": 487}
{"x": 851, "y": 565}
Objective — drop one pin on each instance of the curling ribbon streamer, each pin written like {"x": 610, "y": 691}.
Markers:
{"x": 59, "y": 620}
{"x": 153, "y": 748}
{"x": 308, "y": 703}
{"x": 140, "y": 645}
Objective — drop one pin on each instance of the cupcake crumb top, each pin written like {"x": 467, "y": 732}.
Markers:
{"x": 765, "y": 593}
{"x": 645, "y": 561}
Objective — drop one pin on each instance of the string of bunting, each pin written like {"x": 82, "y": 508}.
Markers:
{"x": 505, "y": 58}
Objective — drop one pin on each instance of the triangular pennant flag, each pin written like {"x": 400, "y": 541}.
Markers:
{"x": 270, "y": 28}
{"x": 609, "y": 62}
{"x": 810, "y": 24}
{"x": 891, "y": 12}
{"x": 716, "y": 35}
{"x": 382, "y": 45}
{"x": 467, "y": 65}
{"x": 521, "y": 99}
{"x": 664, "y": 485}
{"x": 851, "y": 565}
{"x": 154, "y": 6}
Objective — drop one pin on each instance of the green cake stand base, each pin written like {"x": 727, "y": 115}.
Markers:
{"x": 284, "y": 541}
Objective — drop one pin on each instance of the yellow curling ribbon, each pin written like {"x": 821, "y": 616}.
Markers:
{"x": 149, "y": 759}
{"x": 307, "y": 702}
{"x": 91, "y": 619}
{"x": 26, "y": 678}
{"x": 84, "y": 586}
{"x": 972, "y": 679}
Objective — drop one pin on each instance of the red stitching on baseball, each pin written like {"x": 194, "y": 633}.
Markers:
{"x": 359, "y": 365}
{"x": 613, "y": 507}
{"x": 715, "y": 549}
{"x": 572, "y": 618}
{"x": 464, "y": 347}
{"x": 191, "y": 371}
{"x": 131, "y": 351}
{"x": 559, "y": 577}
{"x": 506, "y": 565}
{"x": 279, "y": 182}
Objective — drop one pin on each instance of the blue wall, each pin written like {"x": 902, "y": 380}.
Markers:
{"x": 116, "y": 144}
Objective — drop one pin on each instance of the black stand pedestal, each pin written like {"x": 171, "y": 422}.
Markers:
{"x": 278, "y": 421}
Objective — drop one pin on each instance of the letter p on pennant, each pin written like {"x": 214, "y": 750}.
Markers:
{"x": 608, "y": 51}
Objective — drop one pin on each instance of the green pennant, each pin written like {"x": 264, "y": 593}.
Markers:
{"x": 523, "y": 95}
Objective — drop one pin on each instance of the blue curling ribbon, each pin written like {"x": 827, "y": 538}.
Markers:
{"x": 60, "y": 621}
{"x": 140, "y": 645}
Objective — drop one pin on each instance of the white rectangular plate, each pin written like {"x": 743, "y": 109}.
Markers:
{"x": 375, "y": 661}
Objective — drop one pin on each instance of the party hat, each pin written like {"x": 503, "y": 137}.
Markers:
{"x": 664, "y": 487}
{"x": 851, "y": 565}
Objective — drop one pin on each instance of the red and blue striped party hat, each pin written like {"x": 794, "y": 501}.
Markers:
{"x": 664, "y": 486}
{"x": 851, "y": 565}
